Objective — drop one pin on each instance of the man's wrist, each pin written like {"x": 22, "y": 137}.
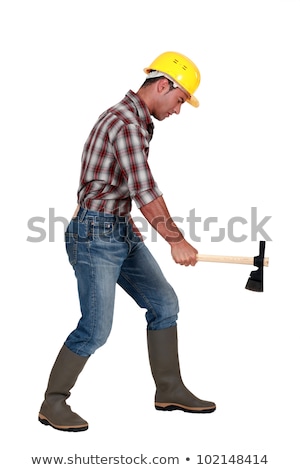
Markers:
{"x": 174, "y": 238}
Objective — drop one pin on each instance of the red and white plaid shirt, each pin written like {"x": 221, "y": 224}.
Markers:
{"x": 115, "y": 166}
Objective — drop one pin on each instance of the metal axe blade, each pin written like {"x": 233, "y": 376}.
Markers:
{"x": 256, "y": 279}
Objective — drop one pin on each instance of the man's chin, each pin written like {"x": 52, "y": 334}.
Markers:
{"x": 159, "y": 118}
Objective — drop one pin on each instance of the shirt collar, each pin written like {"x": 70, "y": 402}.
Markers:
{"x": 142, "y": 110}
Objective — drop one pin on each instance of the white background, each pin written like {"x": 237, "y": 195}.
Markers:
{"x": 63, "y": 62}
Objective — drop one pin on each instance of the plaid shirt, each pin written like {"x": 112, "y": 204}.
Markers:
{"x": 115, "y": 166}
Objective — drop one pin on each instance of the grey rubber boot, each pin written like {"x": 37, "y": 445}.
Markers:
{"x": 171, "y": 393}
{"x": 54, "y": 410}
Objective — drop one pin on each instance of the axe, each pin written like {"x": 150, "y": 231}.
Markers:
{"x": 256, "y": 279}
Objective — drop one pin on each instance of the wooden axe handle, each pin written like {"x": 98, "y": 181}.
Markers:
{"x": 229, "y": 259}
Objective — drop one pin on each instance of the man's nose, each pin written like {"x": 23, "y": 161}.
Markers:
{"x": 177, "y": 108}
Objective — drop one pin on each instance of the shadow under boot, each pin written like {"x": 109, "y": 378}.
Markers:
{"x": 54, "y": 410}
{"x": 171, "y": 393}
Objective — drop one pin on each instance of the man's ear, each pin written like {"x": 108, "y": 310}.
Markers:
{"x": 162, "y": 85}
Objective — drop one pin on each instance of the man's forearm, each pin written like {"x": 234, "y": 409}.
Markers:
{"x": 157, "y": 214}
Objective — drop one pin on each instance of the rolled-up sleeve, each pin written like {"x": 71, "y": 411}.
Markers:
{"x": 131, "y": 149}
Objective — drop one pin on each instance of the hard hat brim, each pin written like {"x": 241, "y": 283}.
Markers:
{"x": 193, "y": 101}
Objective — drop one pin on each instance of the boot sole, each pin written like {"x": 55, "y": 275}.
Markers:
{"x": 187, "y": 409}
{"x": 46, "y": 422}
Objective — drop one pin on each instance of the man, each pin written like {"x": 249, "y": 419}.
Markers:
{"x": 105, "y": 248}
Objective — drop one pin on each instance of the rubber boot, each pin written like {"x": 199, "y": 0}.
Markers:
{"x": 54, "y": 410}
{"x": 171, "y": 393}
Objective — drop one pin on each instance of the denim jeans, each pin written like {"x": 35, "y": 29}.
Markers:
{"x": 104, "y": 251}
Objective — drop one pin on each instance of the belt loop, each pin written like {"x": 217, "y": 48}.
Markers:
{"x": 121, "y": 219}
{"x": 82, "y": 215}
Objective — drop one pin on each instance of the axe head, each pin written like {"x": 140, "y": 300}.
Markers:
{"x": 256, "y": 279}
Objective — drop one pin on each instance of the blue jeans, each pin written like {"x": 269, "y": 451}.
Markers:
{"x": 104, "y": 251}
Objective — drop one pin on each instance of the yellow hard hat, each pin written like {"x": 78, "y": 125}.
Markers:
{"x": 180, "y": 69}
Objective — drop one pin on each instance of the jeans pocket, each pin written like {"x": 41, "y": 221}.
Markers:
{"x": 101, "y": 229}
{"x": 71, "y": 241}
